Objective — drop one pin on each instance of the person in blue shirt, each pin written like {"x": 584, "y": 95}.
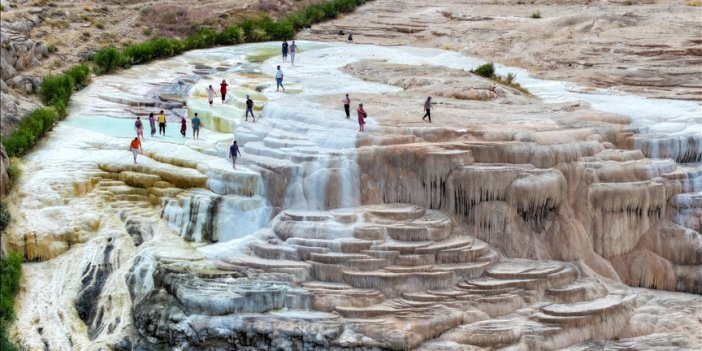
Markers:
{"x": 285, "y": 50}
{"x": 234, "y": 152}
{"x": 196, "y": 127}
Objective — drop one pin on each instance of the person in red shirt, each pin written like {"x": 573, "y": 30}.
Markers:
{"x": 223, "y": 89}
{"x": 361, "y": 117}
{"x": 183, "y": 126}
{"x": 135, "y": 146}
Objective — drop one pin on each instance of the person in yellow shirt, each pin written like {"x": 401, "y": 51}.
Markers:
{"x": 162, "y": 123}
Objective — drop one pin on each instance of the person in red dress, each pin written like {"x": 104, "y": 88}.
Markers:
{"x": 361, "y": 117}
{"x": 223, "y": 89}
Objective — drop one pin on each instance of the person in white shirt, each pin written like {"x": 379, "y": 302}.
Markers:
{"x": 279, "y": 79}
{"x": 210, "y": 94}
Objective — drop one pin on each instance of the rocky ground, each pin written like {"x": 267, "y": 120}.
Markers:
{"x": 651, "y": 48}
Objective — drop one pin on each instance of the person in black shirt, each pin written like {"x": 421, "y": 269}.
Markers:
{"x": 249, "y": 108}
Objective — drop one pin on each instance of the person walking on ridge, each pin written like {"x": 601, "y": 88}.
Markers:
{"x": 293, "y": 51}
{"x": 196, "y": 127}
{"x": 361, "y": 117}
{"x": 139, "y": 127}
{"x": 279, "y": 79}
{"x": 135, "y": 146}
{"x": 234, "y": 152}
{"x": 183, "y": 126}
{"x": 162, "y": 123}
{"x": 347, "y": 106}
{"x": 223, "y": 89}
{"x": 285, "y": 51}
{"x": 210, "y": 94}
{"x": 249, "y": 108}
{"x": 427, "y": 107}
{"x": 152, "y": 124}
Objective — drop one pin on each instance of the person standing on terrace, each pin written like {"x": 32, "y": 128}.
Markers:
{"x": 223, "y": 89}
{"x": 285, "y": 50}
{"x": 361, "y": 117}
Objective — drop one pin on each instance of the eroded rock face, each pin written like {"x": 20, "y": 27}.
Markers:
{"x": 377, "y": 277}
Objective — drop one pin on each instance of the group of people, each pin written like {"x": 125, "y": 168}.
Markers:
{"x": 292, "y": 48}
{"x": 135, "y": 145}
{"x": 234, "y": 151}
{"x": 222, "y": 90}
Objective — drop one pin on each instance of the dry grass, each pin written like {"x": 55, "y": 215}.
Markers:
{"x": 173, "y": 20}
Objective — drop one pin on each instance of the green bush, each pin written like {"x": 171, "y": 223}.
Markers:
{"x": 11, "y": 272}
{"x": 4, "y": 217}
{"x": 204, "y": 38}
{"x": 150, "y": 50}
{"x": 536, "y": 14}
{"x": 80, "y": 74}
{"x": 107, "y": 59}
{"x": 35, "y": 125}
{"x": 56, "y": 88}
{"x": 486, "y": 70}
{"x": 230, "y": 36}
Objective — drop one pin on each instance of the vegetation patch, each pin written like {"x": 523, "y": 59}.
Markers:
{"x": 487, "y": 70}
{"x": 250, "y": 30}
{"x": 536, "y": 14}
{"x": 11, "y": 272}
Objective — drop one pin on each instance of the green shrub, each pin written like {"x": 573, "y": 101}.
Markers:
{"x": 536, "y": 14}
{"x": 150, "y": 50}
{"x": 485, "y": 70}
{"x": 35, "y": 125}
{"x": 4, "y": 217}
{"x": 56, "y": 88}
{"x": 204, "y": 38}
{"x": 231, "y": 35}
{"x": 107, "y": 59}
{"x": 5, "y": 343}
{"x": 11, "y": 272}
{"x": 80, "y": 74}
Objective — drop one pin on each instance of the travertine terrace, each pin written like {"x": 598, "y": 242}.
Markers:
{"x": 565, "y": 218}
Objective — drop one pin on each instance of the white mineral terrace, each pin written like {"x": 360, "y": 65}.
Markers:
{"x": 262, "y": 248}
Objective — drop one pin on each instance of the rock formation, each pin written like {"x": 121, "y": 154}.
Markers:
{"x": 506, "y": 222}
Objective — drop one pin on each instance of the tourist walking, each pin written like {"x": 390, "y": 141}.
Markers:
{"x": 183, "y": 126}
{"x": 135, "y": 146}
{"x": 152, "y": 124}
{"x": 361, "y": 117}
{"x": 234, "y": 152}
{"x": 293, "y": 51}
{"x": 249, "y": 108}
{"x": 139, "y": 127}
{"x": 211, "y": 94}
{"x": 196, "y": 127}
{"x": 427, "y": 107}
{"x": 347, "y": 106}
{"x": 279, "y": 79}
{"x": 162, "y": 123}
{"x": 223, "y": 89}
{"x": 285, "y": 50}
